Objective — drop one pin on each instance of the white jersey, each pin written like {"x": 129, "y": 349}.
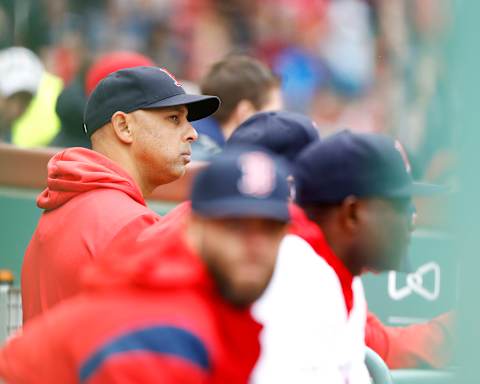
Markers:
{"x": 308, "y": 335}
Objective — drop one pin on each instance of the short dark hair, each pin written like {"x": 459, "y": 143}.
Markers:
{"x": 236, "y": 78}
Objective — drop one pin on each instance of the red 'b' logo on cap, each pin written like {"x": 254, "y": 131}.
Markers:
{"x": 171, "y": 76}
{"x": 258, "y": 174}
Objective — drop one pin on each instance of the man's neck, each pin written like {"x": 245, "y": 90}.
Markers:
{"x": 127, "y": 165}
{"x": 228, "y": 128}
{"x": 336, "y": 241}
{"x": 144, "y": 187}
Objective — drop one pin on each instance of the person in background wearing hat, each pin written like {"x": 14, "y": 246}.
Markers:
{"x": 282, "y": 132}
{"x": 138, "y": 121}
{"x": 245, "y": 86}
{"x": 355, "y": 191}
{"x": 176, "y": 310}
{"x": 71, "y": 102}
{"x": 28, "y": 94}
{"x": 69, "y": 108}
{"x": 427, "y": 344}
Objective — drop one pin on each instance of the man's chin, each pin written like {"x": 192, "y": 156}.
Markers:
{"x": 243, "y": 299}
{"x": 241, "y": 303}
{"x": 174, "y": 175}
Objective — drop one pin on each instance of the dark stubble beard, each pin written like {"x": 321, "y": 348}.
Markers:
{"x": 221, "y": 282}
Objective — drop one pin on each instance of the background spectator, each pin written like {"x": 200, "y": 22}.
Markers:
{"x": 28, "y": 95}
{"x": 372, "y": 62}
{"x": 245, "y": 86}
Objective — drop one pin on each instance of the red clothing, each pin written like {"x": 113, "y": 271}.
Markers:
{"x": 88, "y": 199}
{"x": 313, "y": 235}
{"x": 314, "y": 313}
{"x": 414, "y": 346}
{"x": 427, "y": 344}
{"x": 154, "y": 317}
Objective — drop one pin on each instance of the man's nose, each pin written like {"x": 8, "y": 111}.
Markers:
{"x": 192, "y": 134}
{"x": 256, "y": 241}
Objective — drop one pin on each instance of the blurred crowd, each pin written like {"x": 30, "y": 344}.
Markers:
{"x": 370, "y": 65}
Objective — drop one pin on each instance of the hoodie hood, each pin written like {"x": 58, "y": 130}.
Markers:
{"x": 78, "y": 170}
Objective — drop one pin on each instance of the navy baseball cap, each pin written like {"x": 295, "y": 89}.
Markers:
{"x": 242, "y": 182}
{"x": 143, "y": 87}
{"x": 284, "y": 133}
{"x": 363, "y": 165}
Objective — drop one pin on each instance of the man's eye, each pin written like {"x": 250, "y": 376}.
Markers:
{"x": 174, "y": 118}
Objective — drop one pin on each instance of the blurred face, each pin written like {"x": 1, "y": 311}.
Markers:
{"x": 384, "y": 236}
{"x": 246, "y": 109}
{"x": 162, "y": 143}
{"x": 13, "y": 107}
{"x": 274, "y": 101}
{"x": 240, "y": 254}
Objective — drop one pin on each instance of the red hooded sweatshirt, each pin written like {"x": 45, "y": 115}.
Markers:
{"x": 154, "y": 317}
{"x": 88, "y": 199}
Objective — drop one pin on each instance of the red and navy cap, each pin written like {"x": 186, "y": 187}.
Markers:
{"x": 242, "y": 182}
{"x": 143, "y": 87}
{"x": 282, "y": 132}
{"x": 362, "y": 165}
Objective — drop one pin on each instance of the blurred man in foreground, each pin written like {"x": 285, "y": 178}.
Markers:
{"x": 169, "y": 304}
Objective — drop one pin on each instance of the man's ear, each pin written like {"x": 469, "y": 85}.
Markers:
{"x": 122, "y": 129}
{"x": 349, "y": 214}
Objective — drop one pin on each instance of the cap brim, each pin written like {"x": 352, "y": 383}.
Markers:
{"x": 199, "y": 106}
{"x": 427, "y": 189}
{"x": 418, "y": 190}
{"x": 242, "y": 208}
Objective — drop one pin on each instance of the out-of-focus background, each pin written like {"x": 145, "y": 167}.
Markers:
{"x": 370, "y": 65}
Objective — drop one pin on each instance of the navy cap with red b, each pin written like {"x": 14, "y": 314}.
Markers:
{"x": 131, "y": 89}
{"x": 362, "y": 165}
{"x": 282, "y": 132}
{"x": 242, "y": 182}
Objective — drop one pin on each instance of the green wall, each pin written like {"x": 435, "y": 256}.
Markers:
{"x": 18, "y": 218}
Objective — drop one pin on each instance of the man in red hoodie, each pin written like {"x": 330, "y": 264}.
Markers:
{"x": 138, "y": 120}
{"x": 176, "y": 310}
